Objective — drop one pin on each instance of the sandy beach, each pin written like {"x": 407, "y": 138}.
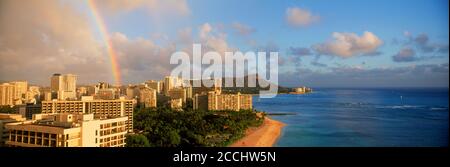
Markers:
{"x": 264, "y": 136}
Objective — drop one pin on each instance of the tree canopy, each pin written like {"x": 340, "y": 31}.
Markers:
{"x": 164, "y": 127}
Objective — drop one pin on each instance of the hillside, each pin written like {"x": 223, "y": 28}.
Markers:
{"x": 252, "y": 90}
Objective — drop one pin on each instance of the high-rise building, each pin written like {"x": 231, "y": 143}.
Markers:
{"x": 162, "y": 85}
{"x": 178, "y": 93}
{"x": 200, "y": 102}
{"x": 106, "y": 94}
{"x": 132, "y": 91}
{"x": 82, "y": 91}
{"x": 168, "y": 84}
{"x": 215, "y": 101}
{"x": 100, "y": 108}
{"x": 245, "y": 102}
{"x": 147, "y": 97}
{"x": 56, "y": 82}
{"x": 64, "y": 85}
{"x": 48, "y": 96}
{"x": 68, "y": 130}
{"x": 156, "y": 85}
{"x": 202, "y": 87}
{"x": 20, "y": 88}
{"x": 189, "y": 94}
{"x": 6, "y": 94}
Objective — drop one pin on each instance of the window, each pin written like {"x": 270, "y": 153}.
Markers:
{"x": 96, "y": 132}
{"x": 95, "y": 140}
{"x": 13, "y": 138}
{"x": 53, "y": 143}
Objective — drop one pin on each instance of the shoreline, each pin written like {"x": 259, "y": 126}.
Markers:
{"x": 266, "y": 135}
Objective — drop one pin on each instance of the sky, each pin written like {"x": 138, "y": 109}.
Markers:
{"x": 321, "y": 43}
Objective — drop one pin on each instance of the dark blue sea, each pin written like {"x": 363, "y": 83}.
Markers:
{"x": 361, "y": 117}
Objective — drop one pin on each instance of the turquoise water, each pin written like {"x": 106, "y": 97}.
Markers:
{"x": 361, "y": 117}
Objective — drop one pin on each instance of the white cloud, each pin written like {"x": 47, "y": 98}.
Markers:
{"x": 242, "y": 29}
{"x": 421, "y": 44}
{"x": 185, "y": 35}
{"x": 141, "y": 59}
{"x": 213, "y": 39}
{"x": 53, "y": 37}
{"x": 405, "y": 55}
{"x": 178, "y": 7}
{"x": 38, "y": 38}
{"x": 297, "y": 17}
{"x": 349, "y": 44}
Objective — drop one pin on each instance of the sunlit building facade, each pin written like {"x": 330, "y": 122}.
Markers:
{"x": 216, "y": 101}
{"x": 100, "y": 108}
{"x": 6, "y": 94}
{"x": 68, "y": 130}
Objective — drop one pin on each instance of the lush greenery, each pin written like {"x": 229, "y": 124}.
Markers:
{"x": 163, "y": 127}
{"x": 7, "y": 109}
{"x": 137, "y": 140}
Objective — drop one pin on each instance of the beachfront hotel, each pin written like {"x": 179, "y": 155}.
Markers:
{"x": 67, "y": 130}
{"x": 87, "y": 105}
{"x": 217, "y": 101}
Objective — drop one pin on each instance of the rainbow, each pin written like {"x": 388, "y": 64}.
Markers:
{"x": 105, "y": 36}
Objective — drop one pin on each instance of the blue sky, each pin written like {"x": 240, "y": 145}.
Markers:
{"x": 387, "y": 19}
{"x": 400, "y": 43}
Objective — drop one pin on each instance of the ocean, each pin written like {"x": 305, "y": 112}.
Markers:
{"x": 385, "y": 117}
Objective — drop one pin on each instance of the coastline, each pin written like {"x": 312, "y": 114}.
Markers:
{"x": 265, "y": 135}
